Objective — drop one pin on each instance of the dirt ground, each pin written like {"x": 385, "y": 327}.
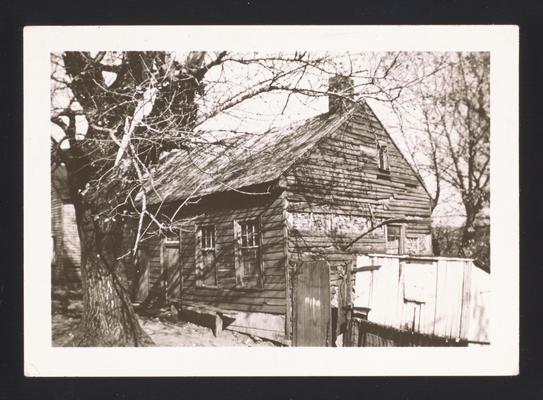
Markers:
{"x": 159, "y": 325}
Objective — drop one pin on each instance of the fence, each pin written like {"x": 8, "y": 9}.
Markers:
{"x": 433, "y": 296}
{"x": 362, "y": 333}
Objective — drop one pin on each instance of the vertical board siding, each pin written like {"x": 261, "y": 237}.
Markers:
{"x": 363, "y": 333}
{"x": 478, "y": 312}
{"x": 433, "y": 296}
{"x": 313, "y": 323}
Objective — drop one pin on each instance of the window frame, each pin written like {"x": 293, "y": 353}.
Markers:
{"x": 201, "y": 251}
{"x": 401, "y": 238}
{"x": 254, "y": 234}
{"x": 383, "y": 159}
{"x": 212, "y": 239}
{"x": 241, "y": 282}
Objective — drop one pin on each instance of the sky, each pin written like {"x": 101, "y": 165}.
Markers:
{"x": 278, "y": 108}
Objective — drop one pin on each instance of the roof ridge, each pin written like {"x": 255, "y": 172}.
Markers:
{"x": 342, "y": 120}
{"x": 239, "y": 163}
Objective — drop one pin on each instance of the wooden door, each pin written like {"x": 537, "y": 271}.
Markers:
{"x": 312, "y": 305}
{"x": 142, "y": 277}
{"x": 170, "y": 262}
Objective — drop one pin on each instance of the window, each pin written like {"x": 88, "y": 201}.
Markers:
{"x": 247, "y": 255}
{"x": 208, "y": 237}
{"x": 383, "y": 156}
{"x": 395, "y": 239}
{"x": 249, "y": 234}
{"x": 206, "y": 267}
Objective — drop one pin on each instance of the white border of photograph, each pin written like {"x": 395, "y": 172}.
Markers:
{"x": 499, "y": 358}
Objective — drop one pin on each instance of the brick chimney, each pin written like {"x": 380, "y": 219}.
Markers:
{"x": 342, "y": 85}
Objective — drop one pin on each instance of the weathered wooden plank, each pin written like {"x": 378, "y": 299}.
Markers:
{"x": 313, "y": 321}
{"x": 274, "y": 271}
{"x": 353, "y": 204}
{"x": 368, "y": 187}
{"x": 288, "y": 289}
{"x": 274, "y": 278}
{"x": 365, "y": 186}
{"x": 252, "y": 293}
{"x": 238, "y": 306}
{"x": 225, "y": 216}
{"x": 273, "y": 257}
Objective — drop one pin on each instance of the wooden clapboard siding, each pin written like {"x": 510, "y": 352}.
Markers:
{"x": 327, "y": 166}
{"x": 221, "y": 211}
{"x": 338, "y": 176}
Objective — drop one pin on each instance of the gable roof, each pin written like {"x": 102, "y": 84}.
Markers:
{"x": 238, "y": 162}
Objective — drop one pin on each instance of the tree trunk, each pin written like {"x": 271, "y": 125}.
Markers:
{"x": 108, "y": 317}
{"x": 467, "y": 235}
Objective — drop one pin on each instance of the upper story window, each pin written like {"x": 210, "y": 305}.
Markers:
{"x": 382, "y": 148}
{"x": 208, "y": 237}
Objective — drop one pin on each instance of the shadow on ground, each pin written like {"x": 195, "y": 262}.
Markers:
{"x": 159, "y": 324}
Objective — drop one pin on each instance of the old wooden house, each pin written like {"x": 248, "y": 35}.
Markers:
{"x": 266, "y": 223}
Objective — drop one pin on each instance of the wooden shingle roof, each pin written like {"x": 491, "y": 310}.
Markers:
{"x": 235, "y": 163}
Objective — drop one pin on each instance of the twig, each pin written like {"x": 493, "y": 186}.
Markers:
{"x": 386, "y": 222}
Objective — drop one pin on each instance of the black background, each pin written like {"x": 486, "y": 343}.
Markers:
{"x": 15, "y": 15}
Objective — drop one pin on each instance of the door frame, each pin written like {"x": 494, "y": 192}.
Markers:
{"x": 171, "y": 244}
{"x": 296, "y": 298}
{"x": 141, "y": 291}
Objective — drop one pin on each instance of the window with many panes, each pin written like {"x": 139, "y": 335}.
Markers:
{"x": 205, "y": 258}
{"x": 208, "y": 237}
{"x": 249, "y": 234}
{"x": 395, "y": 239}
{"x": 247, "y": 253}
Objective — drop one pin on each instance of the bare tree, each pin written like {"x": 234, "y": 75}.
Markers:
{"x": 138, "y": 105}
{"x": 446, "y": 127}
{"x": 147, "y": 92}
